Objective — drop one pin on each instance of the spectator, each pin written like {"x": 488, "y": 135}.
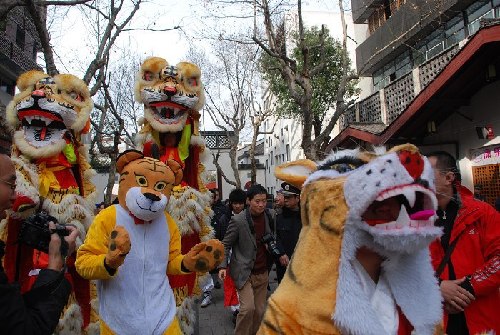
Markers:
{"x": 478, "y": 193}
{"x": 213, "y": 282}
{"x": 467, "y": 257}
{"x": 249, "y": 259}
{"x": 37, "y": 311}
{"x": 237, "y": 199}
{"x": 288, "y": 226}
{"x": 279, "y": 201}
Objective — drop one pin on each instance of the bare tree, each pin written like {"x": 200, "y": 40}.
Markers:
{"x": 230, "y": 80}
{"x": 114, "y": 121}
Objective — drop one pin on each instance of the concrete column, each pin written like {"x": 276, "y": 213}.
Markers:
{"x": 416, "y": 81}
{"x": 383, "y": 106}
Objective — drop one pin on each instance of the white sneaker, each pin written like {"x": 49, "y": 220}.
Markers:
{"x": 207, "y": 299}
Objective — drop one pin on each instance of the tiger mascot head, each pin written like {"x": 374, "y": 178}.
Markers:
{"x": 48, "y": 112}
{"x": 170, "y": 93}
{"x": 145, "y": 184}
{"x": 357, "y": 199}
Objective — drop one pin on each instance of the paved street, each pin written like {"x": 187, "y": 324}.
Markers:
{"x": 215, "y": 319}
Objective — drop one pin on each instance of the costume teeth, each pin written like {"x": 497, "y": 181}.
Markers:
{"x": 410, "y": 195}
{"x": 403, "y": 217}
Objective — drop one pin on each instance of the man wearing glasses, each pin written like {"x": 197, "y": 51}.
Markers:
{"x": 467, "y": 257}
{"x": 37, "y": 311}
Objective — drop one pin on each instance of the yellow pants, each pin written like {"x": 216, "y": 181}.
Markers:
{"x": 173, "y": 329}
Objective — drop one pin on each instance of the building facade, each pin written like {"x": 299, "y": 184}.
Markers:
{"x": 431, "y": 70}
{"x": 19, "y": 45}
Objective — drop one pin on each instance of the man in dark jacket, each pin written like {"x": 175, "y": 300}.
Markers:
{"x": 37, "y": 311}
{"x": 470, "y": 277}
{"x": 288, "y": 226}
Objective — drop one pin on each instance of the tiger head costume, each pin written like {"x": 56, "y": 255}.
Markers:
{"x": 321, "y": 292}
{"x": 145, "y": 184}
{"x": 47, "y": 112}
{"x": 169, "y": 93}
{"x": 49, "y": 115}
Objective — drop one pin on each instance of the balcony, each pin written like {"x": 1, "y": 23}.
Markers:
{"x": 384, "y": 106}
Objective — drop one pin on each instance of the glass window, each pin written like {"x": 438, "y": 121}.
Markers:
{"x": 477, "y": 9}
{"x": 496, "y": 3}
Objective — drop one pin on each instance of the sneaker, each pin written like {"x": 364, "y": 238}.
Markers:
{"x": 217, "y": 285}
{"x": 207, "y": 299}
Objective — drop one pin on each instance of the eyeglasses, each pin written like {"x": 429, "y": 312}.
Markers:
{"x": 11, "y": 184}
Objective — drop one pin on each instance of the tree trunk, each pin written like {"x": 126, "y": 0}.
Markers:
{"x": 111, "y": 179}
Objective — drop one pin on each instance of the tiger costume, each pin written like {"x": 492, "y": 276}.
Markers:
{"x": 172, "y": 96}
{"x": 322, "y": 291}
{"x": 49, "y": 116}
{"x": 133, "y": 245}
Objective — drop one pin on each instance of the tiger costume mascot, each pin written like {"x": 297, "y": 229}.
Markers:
{"x": 172, "y": 97}
{"x": 132, "y": 245}
{"x": 326, "y": 289}
{"x": 49, "y": 115}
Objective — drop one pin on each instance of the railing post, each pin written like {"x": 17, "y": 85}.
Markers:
{"x": 383, "y": 106}
{"x": 416, "y": 81}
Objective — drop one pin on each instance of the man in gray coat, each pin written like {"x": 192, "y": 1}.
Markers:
{"x": 249, "y": 259}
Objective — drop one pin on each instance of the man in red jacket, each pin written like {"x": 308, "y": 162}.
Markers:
{"x": 467, "y": 257}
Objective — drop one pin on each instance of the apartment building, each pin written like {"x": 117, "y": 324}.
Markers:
{"x": 430, "y": 73}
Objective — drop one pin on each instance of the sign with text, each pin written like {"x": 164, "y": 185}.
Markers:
{"x": 485, "y": 155}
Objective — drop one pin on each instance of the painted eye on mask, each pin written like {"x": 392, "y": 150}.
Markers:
{"x": 160, "y": 186}
{"x": 148, "y": 76}
{"x": 342, "y": 165}
{"x": 75, "y": 96}
{"x": 141, "y": 180}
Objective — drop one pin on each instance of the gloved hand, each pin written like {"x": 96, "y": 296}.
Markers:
{"x": 119, "y": 247}
{"x": 204, "y": 256}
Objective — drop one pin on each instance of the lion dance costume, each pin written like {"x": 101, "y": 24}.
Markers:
{"x": 49, "y": 115}
{"x": 325, "y": 289}
{"x": 172, "y": 97}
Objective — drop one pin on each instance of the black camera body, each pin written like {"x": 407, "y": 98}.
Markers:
{"x": 35, "y": 231}
{"x": 272, "y": 246}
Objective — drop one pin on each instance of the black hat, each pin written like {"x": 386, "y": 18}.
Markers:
{"x": 289, "y": 189}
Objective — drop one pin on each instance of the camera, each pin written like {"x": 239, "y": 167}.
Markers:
{"x": 35, "y": 231}
{"x": 272, "y": 246}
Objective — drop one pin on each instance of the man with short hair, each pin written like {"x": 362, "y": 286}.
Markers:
{"x": 249, "y": 259}
{"x": 288, "y": 226}
{"x": 37, "y": 311}
{"x": 279, "y": 201}
{"x": 467, "y": 256}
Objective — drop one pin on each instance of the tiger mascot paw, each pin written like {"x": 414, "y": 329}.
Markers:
{"x": 119, "y": 247}
{"x": 204, "y": 256}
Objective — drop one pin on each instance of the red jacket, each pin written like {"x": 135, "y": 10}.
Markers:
{"x": 477, "y": 253}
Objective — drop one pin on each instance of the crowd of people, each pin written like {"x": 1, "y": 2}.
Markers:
{"x": 466, "y": 258}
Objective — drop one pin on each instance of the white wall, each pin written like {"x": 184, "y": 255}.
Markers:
{"x": 225, "y": 164}
{"x": 484, "y": 109}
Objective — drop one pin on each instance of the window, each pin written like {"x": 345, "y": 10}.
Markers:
{"x": 454, "y": 30}
{"x": 288, "y": 152}
{"x": 403, "y": 64}
{"x": 20, "y": 36}
{"x": 283, "y": 157}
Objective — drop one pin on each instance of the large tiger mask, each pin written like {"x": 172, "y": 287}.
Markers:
{"x": 353, "y": 199}
{"x": 169, "y": 93}
{"x": 48, "y": 111}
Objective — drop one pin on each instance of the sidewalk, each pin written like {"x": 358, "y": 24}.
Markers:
{"x": 215, "y": 319}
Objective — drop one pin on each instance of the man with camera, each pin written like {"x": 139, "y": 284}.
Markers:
{"x": 288, "y": 226}
{"x": 37, "y": 311}
{"x": 247, "y": 234}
